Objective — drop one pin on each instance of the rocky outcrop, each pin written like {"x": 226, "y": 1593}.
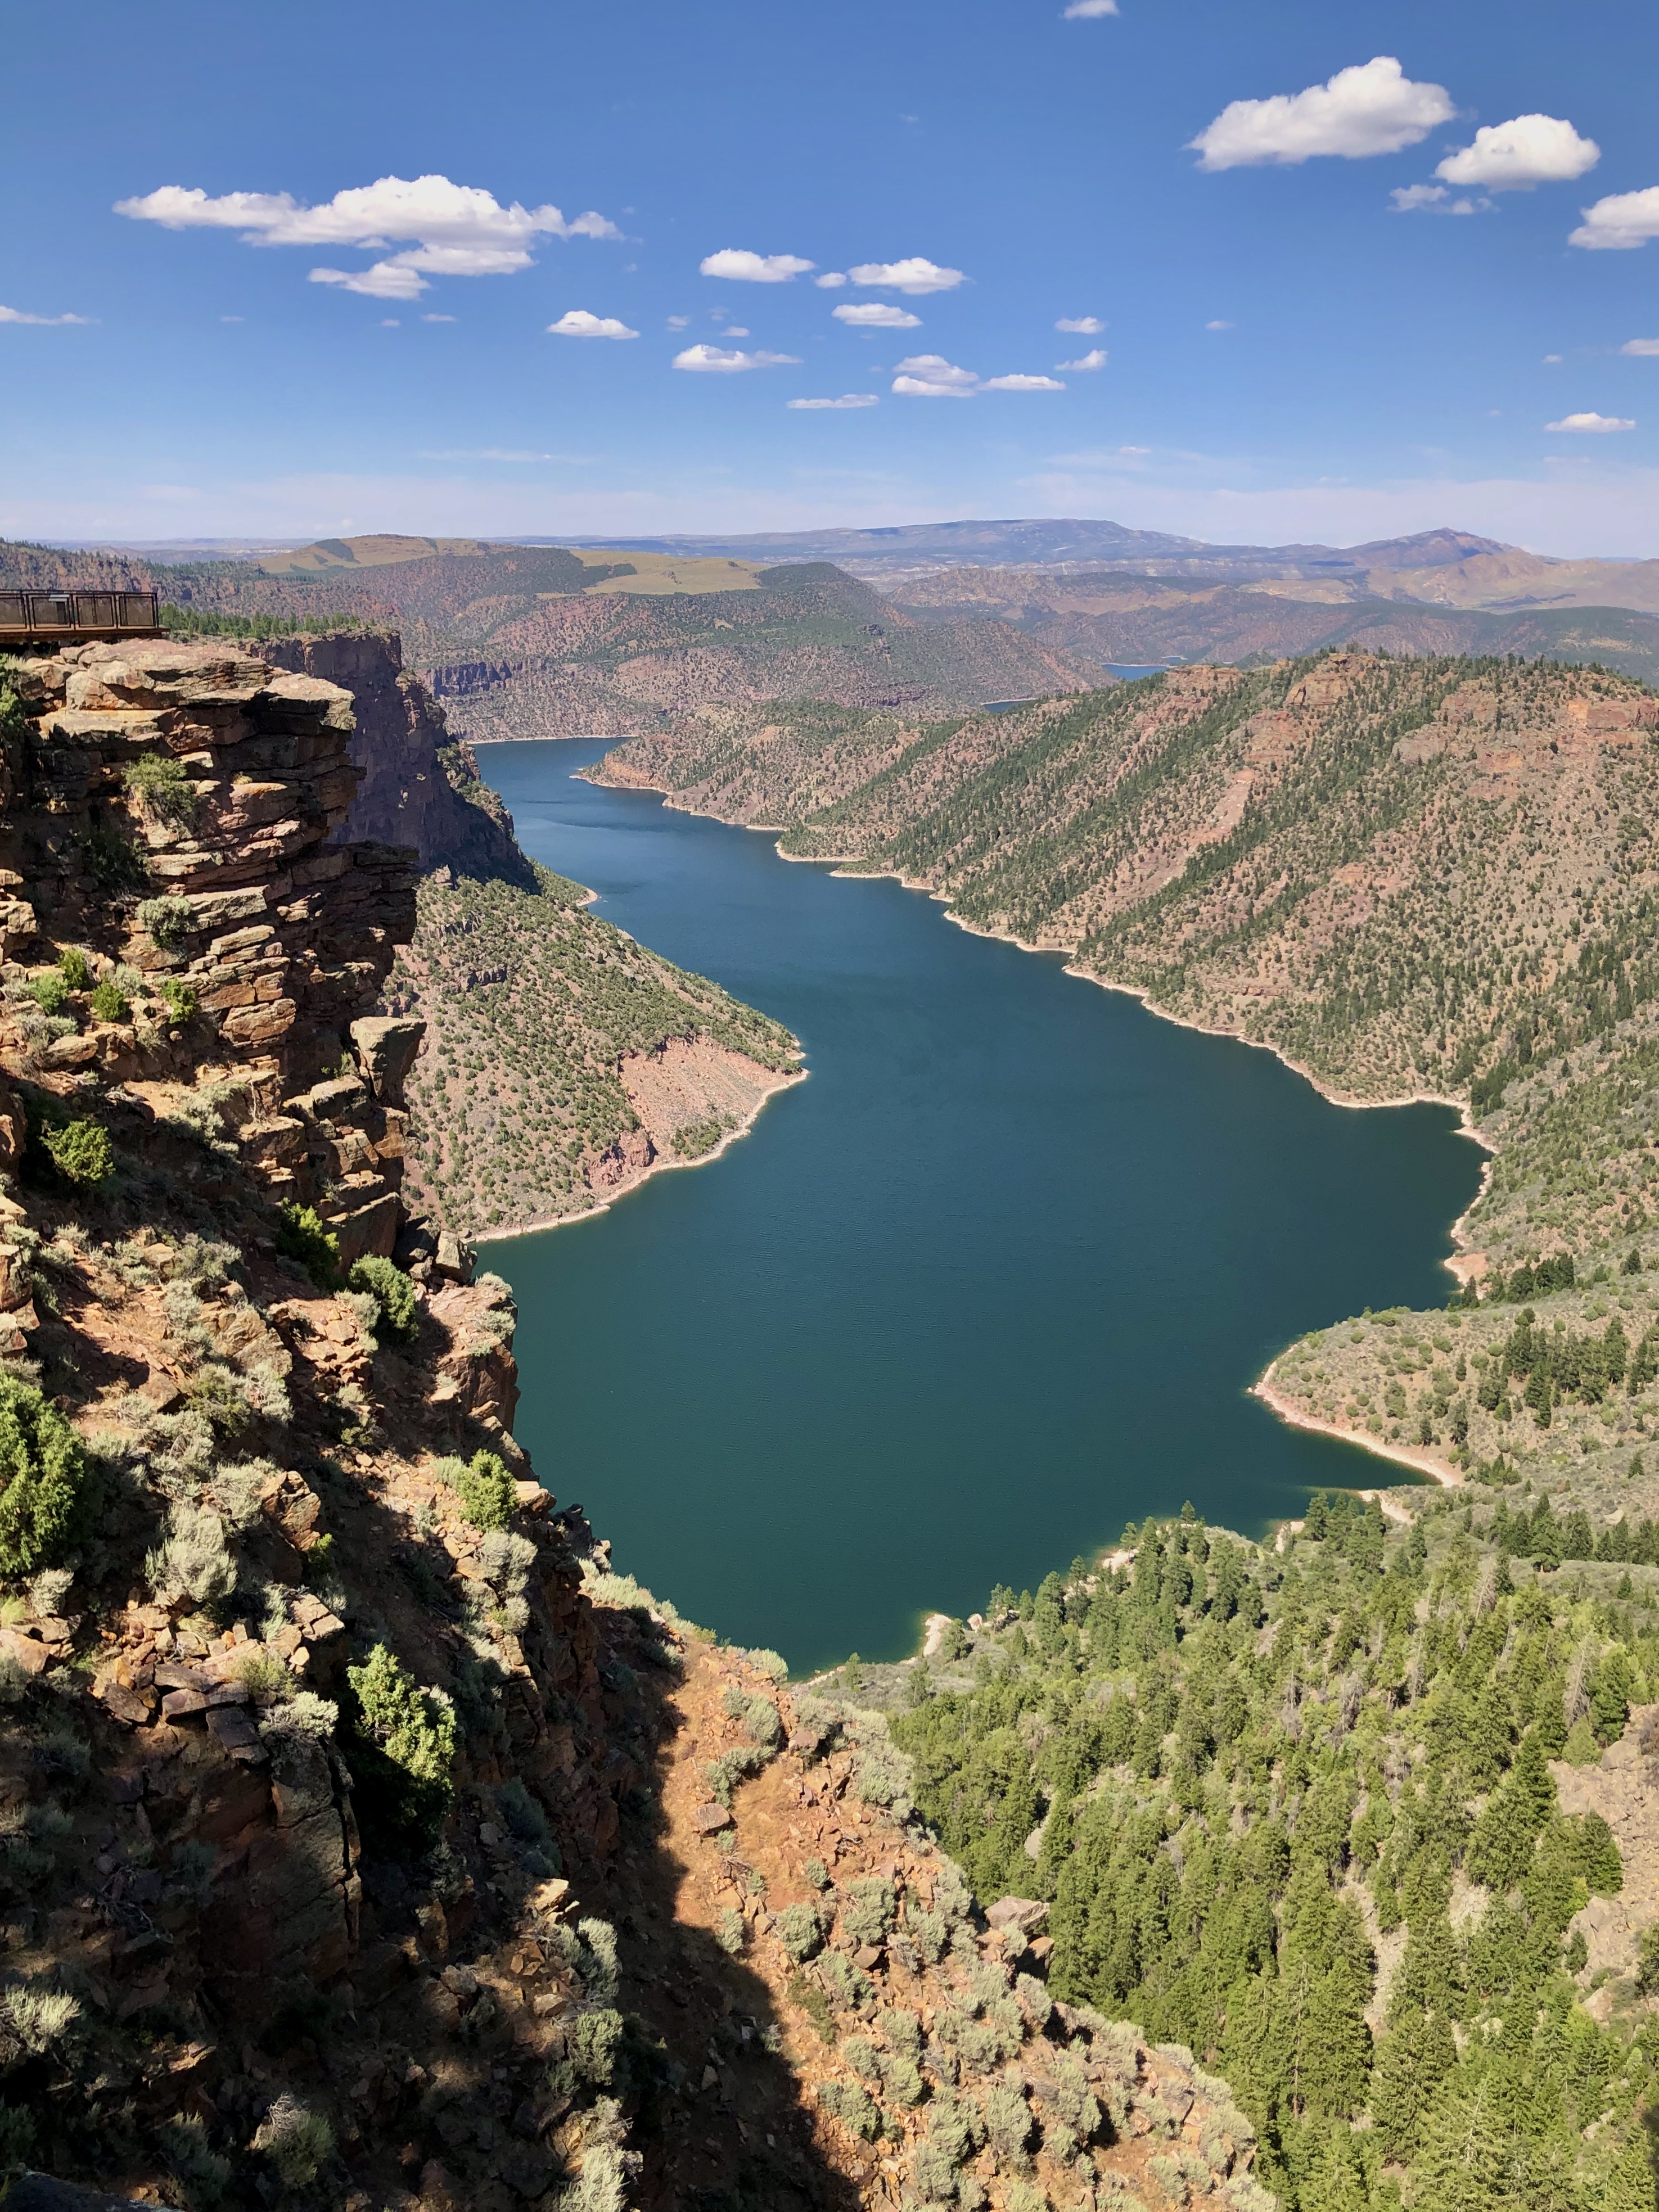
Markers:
{"x": 419, "y": 788}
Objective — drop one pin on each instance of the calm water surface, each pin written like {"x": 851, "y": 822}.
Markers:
{"x": 992, "y": 1283}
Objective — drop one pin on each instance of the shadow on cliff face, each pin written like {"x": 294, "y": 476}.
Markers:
{"x": 725, "y": 2128}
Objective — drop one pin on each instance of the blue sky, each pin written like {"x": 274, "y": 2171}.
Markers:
{"x": 1290, "y": 350}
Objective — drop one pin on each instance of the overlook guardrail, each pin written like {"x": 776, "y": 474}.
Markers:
{"x": 74, "y": 616}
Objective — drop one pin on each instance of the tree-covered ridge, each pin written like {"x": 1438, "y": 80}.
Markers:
{"x": 518, "y": 1110}
{"x": 1303, "y": 1812}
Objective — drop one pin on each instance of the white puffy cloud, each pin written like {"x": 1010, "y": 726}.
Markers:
{"x": 875, "y": 315}
{"x": 1591, "y": 425}
{"x": 914, "y": 275}
{"x": 739, "y": 266}
{"x": 18, "y": 315}
{"x": 577, "y": 323}
{"x": 1645, "y": 349}
{"x": 846, "y": 399}
{"x": 459, "y": 230}
{"x": 831, "y": 280}
{"x": 1436, "y": 199}
{"x": 1373, "y": 107}
{"x": 727, "y": 361}
{"x": 1084, "y": 11}
{"x": 1621, "y": 221}
{"x": 930, "y": 376}
{"x": 1082, "y": 326}
{"x": 1095, "y": 358}
{"x": 678, "y": 322}
{"x": 1514, "y": 157}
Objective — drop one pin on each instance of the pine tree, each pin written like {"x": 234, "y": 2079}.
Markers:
{"x": 1460, "y": 2166}
{"x": 1630, "y": 2186}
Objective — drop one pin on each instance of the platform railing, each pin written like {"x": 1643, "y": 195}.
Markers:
{"x": 75, "y": 613}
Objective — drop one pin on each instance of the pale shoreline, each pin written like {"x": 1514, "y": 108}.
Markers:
{"x": 662, "y": 1164}
{"x": 1460, "y": 1263}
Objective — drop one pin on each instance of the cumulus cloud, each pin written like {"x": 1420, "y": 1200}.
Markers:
{"x": 1591, "y": 424}
{"x": 1081, "y": 326}
{"x": 1621, "y": 221}
{"x": 1645, "y": 349}
{"x": 739, "y": 266}
{"x": 18, "y": 315}
{"x": 930, "y": 376}
{"x": 1514, "y": 157}
{"x": 1095, "y": 358}
{"x": 875, "y": 315}
{"x": 831, "y": 280}
{"x": 459, "y": 230}
{"x": 916, "y": 275}
{"x": 1370, "y": 108}
{"x": 577, "y": 323}
{"x": 678, "y": 322}
{"x": 727, "y": 361}
{"x": 846, "y": 399}
{"x": 1436, "y": 199}
{"x": 1084, "y": 11}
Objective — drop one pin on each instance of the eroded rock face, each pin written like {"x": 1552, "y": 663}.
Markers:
{"x": 416, "y": 780}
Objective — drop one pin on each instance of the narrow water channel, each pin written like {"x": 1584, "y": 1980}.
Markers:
{"x": 993, "y": 1283}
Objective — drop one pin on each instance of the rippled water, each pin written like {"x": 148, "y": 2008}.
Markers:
{"x": 992, "y": 1283}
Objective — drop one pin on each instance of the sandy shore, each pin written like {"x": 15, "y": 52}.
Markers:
{"x": 660, "y": 1165}
{"x": 1425, "y": 1462}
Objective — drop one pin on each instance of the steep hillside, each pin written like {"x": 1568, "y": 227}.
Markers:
{"x": 1144, "y": 619}
{"x": 562, "y": 1062}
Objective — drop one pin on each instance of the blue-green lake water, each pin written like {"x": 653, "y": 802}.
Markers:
{"x": 995, "y": 1281}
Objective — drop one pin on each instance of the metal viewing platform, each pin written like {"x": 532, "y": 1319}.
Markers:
{"x": 76, "y": 617}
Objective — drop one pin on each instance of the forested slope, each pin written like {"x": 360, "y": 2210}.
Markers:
{"x": 1330, "y": 1817}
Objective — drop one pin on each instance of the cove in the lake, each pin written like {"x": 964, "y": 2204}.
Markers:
{"x": 993, "y": 1282}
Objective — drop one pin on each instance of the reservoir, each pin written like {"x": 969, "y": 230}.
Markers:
{"x": 990, "y": 1285}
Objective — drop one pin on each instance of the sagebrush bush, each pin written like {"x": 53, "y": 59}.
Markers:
{"x": 49, "y": 992}
{"x": 393, "y": 1294}
{"x": 200, "y": 2171}
{"x": 161, "y": 790}
{"x": 404, "y": 1749}
{"x": 43, "y": 1468}
{"x": 193, "y": 1559}
{"x": 799, "y": 1930}
{"x": 166, "y": 920}
{"x": 295, "y": 2140}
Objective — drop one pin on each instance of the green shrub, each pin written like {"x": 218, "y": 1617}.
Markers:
{"x": 294, "y": 2140}
{"x": 594, "y": 2044}
{"x": 393, "y": 1292}
{"x": 109, "y": 1002}
{"x": 43, "y": 1470}
{"x": 488, "y": 1493}
{"x": 49, "y": 992}
{"x": 160, "y": 788}
{"x": 301, "y": 1235}
{"x": 199, "y": 2170}
{"x": 867, "y": 1910}
{"x": 729, "y": 1931}
{"x": 81, "y": 1151}
{"x": 74, "y": 968}
{"x": 799, "y": 1930}
{"x": 404, "y": 1748}
{"x": 180, "y": 998}
{"x": 16, "y": 2133}
{"x": 166, "y": 920}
